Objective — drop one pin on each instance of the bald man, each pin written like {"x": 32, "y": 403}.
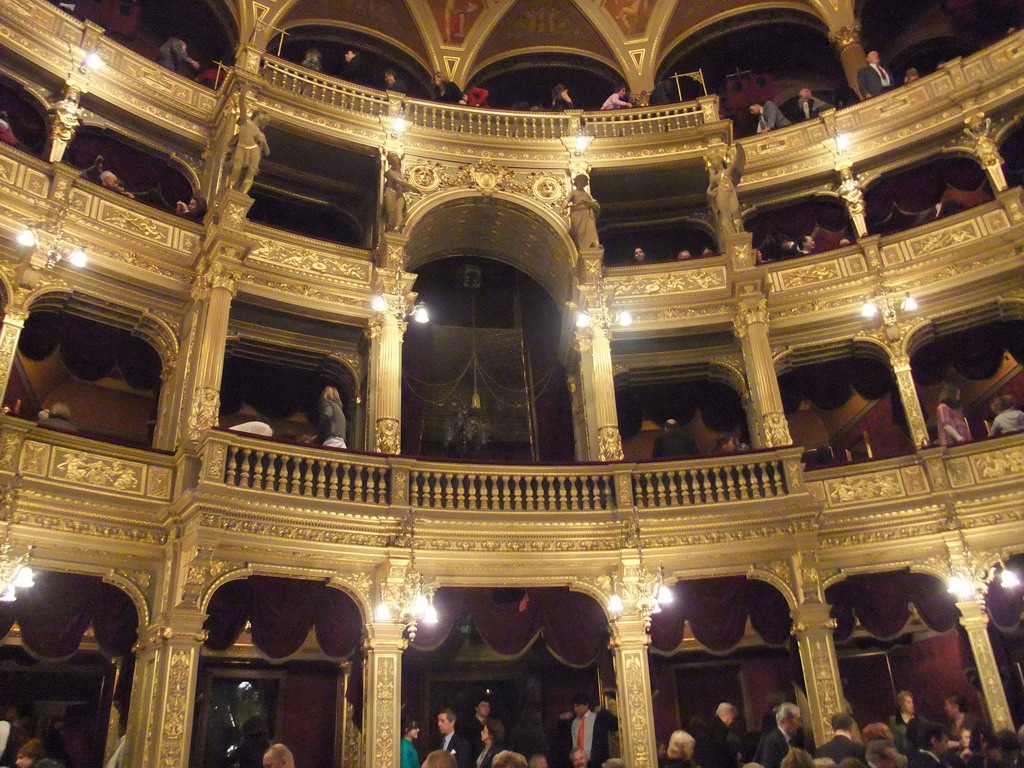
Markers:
{"x": 278, "y": 756}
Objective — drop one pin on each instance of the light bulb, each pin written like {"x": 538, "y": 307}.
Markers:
{"x": 378, "y": 303}
{"x": 420, "y": 314}
{"x": 910, "y": 304}
{"x": 24, "y": 578}
{"x": 582, "y": 142}
{"x": 959, "y": 587}
{"x": 383, "y": 613}
{"x": 869, "y": 310}
{"x": 8, "y": 596}
{"x": 1009, "y": 579}
{"x": 842, "y": 141}
{"x": 430, "y": 615}
{"x": 625, "y": 318}
{"x": 665, "y": 596}
{"x": 399, "y": 124}
{"x": 93, "y": 61}
{"x": 582, "y": 320}
{"x": 27, "y": 238}
{"x": 420, "y": 605}
{"x": 77, "y": 258}
{"x": 615, "y": 604}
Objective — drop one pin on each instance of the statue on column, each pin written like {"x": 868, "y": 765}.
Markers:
{"x": 724, "y": 172}
{"x": 978, "y": 131}
{"x": 65, "y": 117}
{"x": 852, "y": 192}
{"x": 395, "y": 187}
{"x": 249, "y": 146}
{"x": 583, "y": 211}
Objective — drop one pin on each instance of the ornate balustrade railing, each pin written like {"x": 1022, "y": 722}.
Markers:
{"x": 327, "y": 90}
{"x": 243, "y": 462}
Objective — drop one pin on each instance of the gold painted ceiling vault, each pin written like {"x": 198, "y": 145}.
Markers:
{"x": 170, "y": 527}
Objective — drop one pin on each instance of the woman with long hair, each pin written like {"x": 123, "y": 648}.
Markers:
{"x": 493, "y": 735}
{"x": 331, "y": 426}
{"x": 410, "y": 732}
{"x": 950, "y": 419}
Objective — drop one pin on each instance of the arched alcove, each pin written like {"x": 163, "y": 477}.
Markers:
{"x": 659, "y": 242}
{"x": 823, "y": 218}
{"x": 525, "y": 81}
{"x": 25, "y": 115}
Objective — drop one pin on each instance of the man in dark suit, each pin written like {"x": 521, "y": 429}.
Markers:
{"x": 881, "y": 754}
{"x": 873, "y": 79}
{"x": 452, "y": 742}
{"x": 769, "y": 116}
{"x": 774, "y": 744}
{"x": 588, "y": 729}
{"x": 932, "y": 748}
{"x": 842, "y": 744}
{"x": 673, "y": 441}
{"x": 810, "y": 106}
{"x": 719, "y": 746}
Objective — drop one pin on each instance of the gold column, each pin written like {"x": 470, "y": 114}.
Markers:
{"x": 14, "y": 323}
{"x": 974, "y": 620}
{"x": 392, "y": 288}
{"x": 751, "y": 328}
{"x": 812, "y": 627}
{"x": 847, "y": 44}
{"x": 383, "y": 693}
{"x": 908, "y": 396}
{"x": 163, "y": 690}
{"x": 633, "y": 680}
{"x": 214, "y": 289}
{"x": 594, "y": 345}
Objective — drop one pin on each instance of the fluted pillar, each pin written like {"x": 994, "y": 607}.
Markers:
{"x": 751, "y": 328}
{"x": 812, "y": 628}
{"x": 383, "y": 690}
{"x": 594, "y": 345}
{"x": 14, "y": 323}
{"x": 163, "y": 690}
{"x": 392, "y": 297}
{"x": 633, "y": 680}
{"x": 909, "y": 399}
{"x": 974, "y": 620}
{"x": 847, "y": 44}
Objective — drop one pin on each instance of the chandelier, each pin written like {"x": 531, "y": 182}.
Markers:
{"x": 408, "y": 601}
{"x": 641, "y": 588}
{"x": 972, "y": 573}
{"x": 14, "y": 572}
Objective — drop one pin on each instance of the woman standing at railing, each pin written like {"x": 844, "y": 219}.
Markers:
{"x": 331, "y": 427}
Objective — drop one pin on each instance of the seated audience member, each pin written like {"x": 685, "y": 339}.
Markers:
{"x": 440, "y": 759}
{"x": 110, "y": 181}
{"x": 844, "y": 242}
{"x": 1009, "y": 418}
{"x": 352, "y": 67}
{"x": 477, "y": 96}
{"x": 173, "y": 55}
{"x": 446, "y": 91}
{"x": 194, "y": 209}
{"x": 788, "y": 248}
{"x": 809, "y": 105}
{"x": 684, "y": 255}
{"x": 560, "y": 98}
{"x": 664, "y": 92}
{"x": 617, "y": 100}
{"x": 807, "y": 246}
{"x": 312, "y": 60}
{"x": 769, "y": 116}
{"x": 708, "y": 251}
{"x": 6, "y": 134}
{"x": 639, "y": 256}
{"x": 537, "y": 761}
{"x": 953, "y": 429}
{"x": 393, "y": 82}
{"x": 673, "y": 441}
{"x": 725, "y": 445}
{"x": 58, "y": 417}
{"x": 260, "y": 428}
{"x": 508, "y": 759}
{"x": 33, "y": 755}
{"x": 910, "y": 76}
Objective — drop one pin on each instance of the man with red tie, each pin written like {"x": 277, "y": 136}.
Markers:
{"x": 873, "y": 79}
{"x": 589, "y": 729}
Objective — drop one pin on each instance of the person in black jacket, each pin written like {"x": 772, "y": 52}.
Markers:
{"x": 842, "y": 744}
{"x": 453, "y": 742}
{"x": 775, "y": 742}
{"x": 331, "y": 426}
{"x": 718, "y": 747}
{"x": 673, "y": 441}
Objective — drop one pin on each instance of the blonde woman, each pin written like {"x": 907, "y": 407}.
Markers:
{"x": 331, "y": 426}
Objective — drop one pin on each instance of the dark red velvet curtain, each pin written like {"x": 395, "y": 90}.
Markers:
{"x": 720, "y": 406}
{"x": 825, "y": 220}
{"x": 574, "y": 626}
{"x": 881, "y": 602}
{"x": 717, "y": 611}
{"x": 55, "y": 613}
{"x": 281, "y": 613}
{"x": 830, "y": 384}
{"x": 975, "y": 353}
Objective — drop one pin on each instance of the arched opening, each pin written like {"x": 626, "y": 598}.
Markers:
{"x": 846, "y": 408}
{"x": 680, "y": 241}
{"x": 279, "y": 654}
{"x": 66, "y": 664}
{"x": 373, "y": 56}
{"x": 743, "y": 69}
{"x": 484, "y": 378}
{"x": 107, "y": 378}
{"x": 25, "y": 117}
{"x": 982, "y": 361}
{"x": 207, "y": 27}
{"x": 142, "y": 173}
{"x": 909, "y": 197}
{"x": 781, "y": 233}
{"x": 702, "y": 408}
{"x": 527, "y": 652}
{"x": 516, "y": 82}
{"x": 721, "y": 640}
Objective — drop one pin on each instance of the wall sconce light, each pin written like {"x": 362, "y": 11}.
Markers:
{"x": 59, "y": 251}
{"x": 419, "y": 313}
{"x": 92, "y": 61}
{"x": 14, "y": 573}
{"x": 622, "y": 317}
{"x": 399, "y": 124}
{"x": 583, "y": 142}
{"x": 842, "y": 142}
{"x": 582, "y": 319}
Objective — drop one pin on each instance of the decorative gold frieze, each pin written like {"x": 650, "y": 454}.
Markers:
{"x": 862, "y": 488}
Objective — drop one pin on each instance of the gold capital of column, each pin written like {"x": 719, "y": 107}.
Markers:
{"x": 844, "y": 37}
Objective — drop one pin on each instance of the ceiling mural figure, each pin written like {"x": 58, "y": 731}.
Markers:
{"x": 455, "y": 18}
{"x": 632, "y": 16}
